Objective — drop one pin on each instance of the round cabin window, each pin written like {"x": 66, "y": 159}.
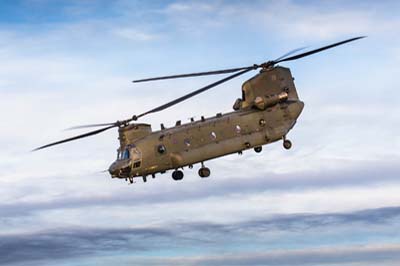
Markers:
{"x": 238, "y": 129}
{"x": 161, "y": 149}
{"x": 213, "y": 136}
{"x": 187, "y": 142}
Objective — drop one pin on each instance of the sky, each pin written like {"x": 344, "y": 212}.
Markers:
{"x": 333, "y": 199}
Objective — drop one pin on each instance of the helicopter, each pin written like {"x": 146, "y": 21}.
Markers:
{"x": 267, "y": 110}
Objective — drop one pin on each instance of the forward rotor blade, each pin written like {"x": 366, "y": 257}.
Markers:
{"x": 216, "y": 72}
{"x": 289, "y": 53}
{"x": 187, "y": 96}
{"x": 317, "y": 50}
{"x": 91, "y": 133}
{"x": 92, "y": 125}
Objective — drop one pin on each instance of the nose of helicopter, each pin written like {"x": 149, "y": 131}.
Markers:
{"x": 120, "y": 168}
{"x": 113, "y": 169}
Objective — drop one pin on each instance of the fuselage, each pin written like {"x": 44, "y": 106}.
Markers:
{"x": 268, "y": 109}
{"x": 205, "y": 139}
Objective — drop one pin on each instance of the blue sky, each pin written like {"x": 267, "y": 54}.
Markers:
{"x": 331, "y": 200}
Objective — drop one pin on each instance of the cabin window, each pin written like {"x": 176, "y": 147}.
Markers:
{"x": 187, "y": 142}
{"x": 161, "y": 149}
{"x": 238, "y": 129}
{"x": 137, "y": 164}
{"x": 213, "y": 135}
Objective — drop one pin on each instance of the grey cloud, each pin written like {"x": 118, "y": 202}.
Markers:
{"x": 353, "y": 255}
{"x": 305, "y": 221}
{"x": 76, "y": 242}
{"x": 373, "y": 173}
{"x": 70, "y": 243}
{"x": 300, "y": 222}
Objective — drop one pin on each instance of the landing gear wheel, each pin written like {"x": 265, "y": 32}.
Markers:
{"x": 204, "y": 172}
{"x": 258, "y": 149}
{"x": 177, "y": 175}
{"x": 287, "y": 144}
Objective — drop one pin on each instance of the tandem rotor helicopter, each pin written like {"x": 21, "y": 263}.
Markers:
{"x": 266, "y": 112}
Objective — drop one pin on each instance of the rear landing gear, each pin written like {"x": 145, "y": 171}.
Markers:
{"x": 204, "y": 171}
{"x": 258, "y": 149}
{"x": 287, "y": 144}
{"x": 177, "y": 175}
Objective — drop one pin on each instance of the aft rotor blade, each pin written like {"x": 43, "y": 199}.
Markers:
{"x": 187, "y": 96}
{"x": 317, "y": 50}
{"x": 216, "y": 72}
{"x": 91, "y": 133}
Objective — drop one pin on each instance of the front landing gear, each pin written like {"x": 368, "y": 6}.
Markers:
{"x": 287, "y": 144}
{"x": 204, "y": 171}
{"x": 177, "y": 175}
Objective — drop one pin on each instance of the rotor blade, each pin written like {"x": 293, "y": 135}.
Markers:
{"x": 187, "y": 96}
{"x": 91, "y": 133}
{"x": 317, "y": 50}
{"x": 216, "y": 72}
{"x": 92, "y": 125}
{"x": 289, "y": 53}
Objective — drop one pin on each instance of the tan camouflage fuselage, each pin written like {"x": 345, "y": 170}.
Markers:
{"x": 268, "y": 109}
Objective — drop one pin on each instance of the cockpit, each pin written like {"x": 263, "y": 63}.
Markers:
{"x": 122, "y": 155}
{"x": 128, "y": 159}
{"x": 130, "y": 152}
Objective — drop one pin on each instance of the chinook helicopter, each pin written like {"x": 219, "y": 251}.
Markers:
{"x": 266, "y": 112}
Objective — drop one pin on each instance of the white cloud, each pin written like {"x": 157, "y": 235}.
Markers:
{"x": 179, "y": 7}
{"x": 134, "y": 34}
{"x": 287, "y": 19}
{"x": 348, "y": 256}
{"x": 315, "y": 23}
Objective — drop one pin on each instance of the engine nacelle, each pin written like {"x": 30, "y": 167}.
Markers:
{"x": 263, "y": 102}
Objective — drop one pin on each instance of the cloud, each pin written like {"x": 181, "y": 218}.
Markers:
{"x": 134, "y": 34}
{"x": 354, "y": 255}
{"x": 287, "y": 19}
{"x": 72, "y": 242}
{"x": 316, "y": 21}
{"x": 310, "y": 221}
{"x": 267, "y": 182}
{"x": 75, "y": 242}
